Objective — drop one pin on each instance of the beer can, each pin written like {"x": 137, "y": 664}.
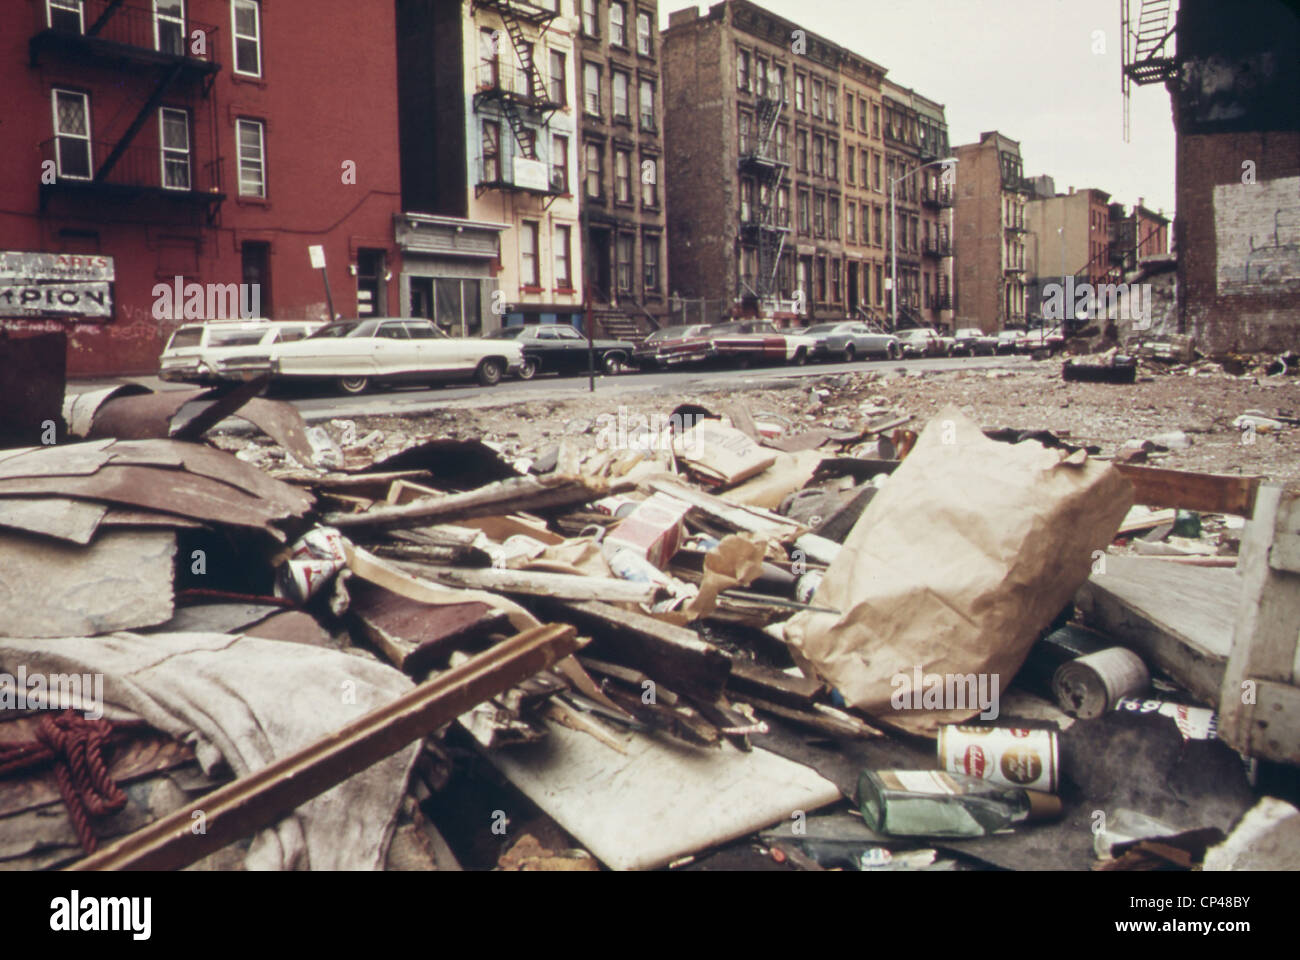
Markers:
{"x": 1089, "y": 686}
{"x": 1012, "y": 756}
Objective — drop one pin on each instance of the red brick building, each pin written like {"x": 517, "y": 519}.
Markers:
{"x": 215, "y": 140}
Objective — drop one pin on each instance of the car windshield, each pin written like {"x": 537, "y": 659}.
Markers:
{"x": 671, "y": 333}
{"x": 823, "y": 328}
{"x": 344, "y": 328}
{"x": 235, "y": 338}
{"x": 731, "y": 328}
{"x": 186, "y": 337}
{"x": 509, "y": 333}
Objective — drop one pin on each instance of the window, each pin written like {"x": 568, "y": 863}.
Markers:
{"x": 819, "y": 215}
{"x": 800, "y": 87}
{"x": 169, "y": 26}
{"x": 821, "y": 279}
{"x": 830, "y": 104}
{"x": 559, "y": 164}
{"x": 835, "y": 218}
{"x": 647, "y": 105}
{"x": 849, "y": 164}
{"x": 784, "y": 96}
{"x": 622, "y": 176}
{"x": 761, "y": 77}
{"x": 529, "y": 275}
{"x": 563, "y": 274}
{"x": 246, "y": 23}
{"x": 746, "y": 200}
{"x": 848, "y": 109}
{"x": 558, "y": 65}
{"x": 622, "y": 84}
{"x": 589, "y": 18}
{"x": 875, "y": 173}
{"x": 742, "y": 70}
{"x": 255, "y": 270}
{"x": 803, "y": 211}
{"x": 595, "y": 171}
{"x": 877, "y": 220}
{"x": 591, "y": 88}
{"x": 819, "y": 155}
{"x": 862, "y": 115}
{"x": 72, "y": 134}
{"x": 835, "y": 280}
{"x": 491, "y": 151}
{"x": 252, "y": 158}
{"x": 880, "y": 285}
{"x": 65, "y": 15}
{"x": 625, "y": 244}
{"x": 617, "y": 24}
{"x": 650, "y": 262}
{"x": 489, "y": 73}
{"x": 174, "y": 138}
{"x": 866, "y": 171}
{"x": 649, "y": 182}
{"x": 833, "y": 158}
{"x": 850, "y": 223}
{"x": 817, "y": 87}
{"x": 783, "y": 207}
{"x": 371, "y": 289}
{"x": 875, "y": 120}
{"x": 801, "y": 150}
{"x": 643, "y": 34}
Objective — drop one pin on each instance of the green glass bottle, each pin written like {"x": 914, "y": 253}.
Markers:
{"x": 933, "y": 803}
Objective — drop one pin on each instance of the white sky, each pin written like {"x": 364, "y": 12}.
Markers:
{"x": 1024, "y": 67}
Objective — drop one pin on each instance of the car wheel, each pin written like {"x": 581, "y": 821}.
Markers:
{"x": 353, "y": 385}
{"x": 614, "y": 363}
{"x": 850, "y": 354}
{"x": 801, "y": 356}
{"x": 892, "y": 352}
{"x": 489, "y": 372}
{"x": 951, "y": 352}
{"x": 529, "y": 369}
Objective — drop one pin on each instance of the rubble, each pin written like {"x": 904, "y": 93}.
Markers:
{"x": 665, "y": 642}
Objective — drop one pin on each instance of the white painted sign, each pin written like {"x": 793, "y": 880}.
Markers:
{"x": 72, "y": 299}
{"x": 531, "y": 174}
{"x": 35, "y": 267}
{"x": 317, "y": 254}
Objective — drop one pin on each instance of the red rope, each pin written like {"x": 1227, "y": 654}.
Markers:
{"x": 75, "y": 746}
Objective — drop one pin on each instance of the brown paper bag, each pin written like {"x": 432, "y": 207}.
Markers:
{"x": 954, "y": 569}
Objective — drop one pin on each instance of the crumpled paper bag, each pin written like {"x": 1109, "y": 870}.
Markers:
{"x": 955, "y": 568}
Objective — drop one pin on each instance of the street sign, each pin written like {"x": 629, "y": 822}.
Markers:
{"x": 317, "y": 254}
{"x": 39, "y": 267}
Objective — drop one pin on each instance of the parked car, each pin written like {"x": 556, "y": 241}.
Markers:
{"x": 1051, "y": 339}
{"x": 559, "y": 348}
{"x": 671, "y": 346}
{"x": 923, "y": 342}
{"x": 354, "y": 354}
{"x": 215, "y": 351}
{"x": 973, "y": 341}
{"x": 746, "y": 341}
{"x": 1007, "y": 340}
{"x": 848, "y": 340}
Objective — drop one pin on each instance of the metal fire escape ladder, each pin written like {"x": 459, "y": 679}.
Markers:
{"x": 1144, "y": 57}
{"x": 141, "y": 118}
{"x": 533, "y": 79}
{"x": 771, "y": 240}
{"x": 104, "y": 17}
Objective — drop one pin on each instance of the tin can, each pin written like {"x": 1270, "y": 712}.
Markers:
{"x": 1008, "y": 755}
{"x": 1090, "y": 685}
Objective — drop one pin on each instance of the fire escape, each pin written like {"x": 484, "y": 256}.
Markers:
{"x": 766, "y": 158}
{"x": 1147, "y": 57}
{"x": 162, "y": 52}
{"x": 518, "y": 91}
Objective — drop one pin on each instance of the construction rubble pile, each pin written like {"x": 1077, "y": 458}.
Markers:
{"x": 703, "y": 640}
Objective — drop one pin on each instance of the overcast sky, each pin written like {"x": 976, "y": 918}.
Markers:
{"x": 1024, "y": 67}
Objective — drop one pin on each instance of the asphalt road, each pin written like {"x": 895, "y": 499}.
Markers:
{"x": 318, "y": 404}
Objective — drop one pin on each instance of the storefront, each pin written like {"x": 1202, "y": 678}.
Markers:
{"x": 447, "y": 272}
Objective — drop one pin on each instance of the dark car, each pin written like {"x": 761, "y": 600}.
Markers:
{"x": 973, "y": 341}
{"x": 559, "y": 348}
{"x": 674, "y": 345}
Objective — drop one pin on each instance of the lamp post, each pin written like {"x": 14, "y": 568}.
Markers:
{"x": 893, "y": 237}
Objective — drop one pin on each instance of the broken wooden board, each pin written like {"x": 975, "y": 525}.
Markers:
{"x": 1179, "y": 618}
{"x": 656, "y": 802}
{"x": 415, "y": 636}
{"x": 1206, "y": 492}
{"x": 561, "y": 586}
{"x": 52, "y": 589}
{"x": 732, "y": 518}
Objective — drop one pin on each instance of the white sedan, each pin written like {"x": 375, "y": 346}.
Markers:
{"x": 353, "y": 354}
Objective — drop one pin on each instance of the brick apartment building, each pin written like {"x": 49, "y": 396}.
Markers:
{"x": 489, "y": 135}
{"x": 756, "y": 175}
{"x": 213, "y": 140}
{"x": 989, "y": 233}
{"x": 916, "y": 136}
{"x": 1234, "y": 81}
{"x": 866, "y": 191}
{"x": 623, "y": 206}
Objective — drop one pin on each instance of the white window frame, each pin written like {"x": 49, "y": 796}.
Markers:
{"x": 164, "y": 150}
{"x": 590, "y": 18}
{"x": 58, "y": 135}
{"x": 642, "y": 87}
{"x": 533, "y": 233}
{"x": 67, "y": 6}
{"x": 158, "y": 17}
{"x": 588, "y": 71}
{"x": 261, "y": 155}
{"x": 618, "y": 28}
{"x": 626, "y": 78}
{"x": 563, "y": 241}
{"x": 644, "y": 41}
{"x": 236, "y": 36}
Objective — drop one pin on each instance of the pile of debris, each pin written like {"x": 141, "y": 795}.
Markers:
{"x": 662, "y": 637}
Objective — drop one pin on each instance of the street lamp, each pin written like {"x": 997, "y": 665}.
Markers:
{"x": 893, "y": 236}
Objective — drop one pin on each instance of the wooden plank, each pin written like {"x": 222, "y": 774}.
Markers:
{"x": 563, "y": 586}
{"x": 1206, "y": 492}
{"x": 414, "y": 636}
{"x": 1275, "y": 722}
{"x": 502, "y": 497}
{"x": 1180, "y": 619}
{"x": 749, "y": 678}
{"x": 731, "y": 517}
{"x": 836, "y": 724}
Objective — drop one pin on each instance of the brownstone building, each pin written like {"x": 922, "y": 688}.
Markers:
{"x": 866, "y": 192}
{"x": 916, "y": 135}
{"x": 621, "y": 131}
{"x": 989, "y": 233}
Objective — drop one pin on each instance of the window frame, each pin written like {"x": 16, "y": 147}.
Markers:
{"x": 59, "y": 136}
{"x": 650, "y": 251}
{"x": 235, "y": 37}
{"x": 598, "y": 149}
{"x": 558, "y": 84}
{"x": 560, "y": 146}
{"x": 618, "y": 30}
{"x": 158, "y": 17}
{"x": 66, "y": 6}
{"x": 260, "y": 126}
{"x": 648, "y": 36}
{"x": 589, "y": 69}
{"x": 590, "y": 9}
{"x": 164, "y": 150}
{"x": 562, "y": 239}
{"x": 531, "y": 230}
{"x": 646, "y": 121}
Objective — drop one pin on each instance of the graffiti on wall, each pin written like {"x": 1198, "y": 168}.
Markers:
{"x": 1257, "y": 237}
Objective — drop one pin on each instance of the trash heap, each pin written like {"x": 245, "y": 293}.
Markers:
{"x": 872, "y": 645}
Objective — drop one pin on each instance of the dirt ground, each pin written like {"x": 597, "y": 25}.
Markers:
{"x": 1200, "y": 402}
